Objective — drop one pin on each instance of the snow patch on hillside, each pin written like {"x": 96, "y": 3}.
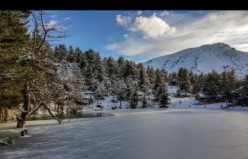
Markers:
{"x": 218, "y": 57}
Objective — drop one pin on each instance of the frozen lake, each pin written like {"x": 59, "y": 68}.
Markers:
{"x": 175, "y": 134}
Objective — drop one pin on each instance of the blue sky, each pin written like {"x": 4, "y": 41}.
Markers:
{"x": 90, "y": 29}
{"x": 142, "y": 35}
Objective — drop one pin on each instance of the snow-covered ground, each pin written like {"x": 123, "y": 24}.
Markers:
{"x": 175, "y": 103}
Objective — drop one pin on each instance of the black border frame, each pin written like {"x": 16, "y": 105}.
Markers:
{"x": 124, "y": 4}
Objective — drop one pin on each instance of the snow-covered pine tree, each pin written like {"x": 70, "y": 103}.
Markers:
{"x": 143, "y": 80}
{"x": 144, "y": 102}
{"x": 228, "y": 85}
{"x": 121, "y": 66}
{"x": 151, "y": 76}
{"x": 100, "y": 92}
{"x": 120, "y": 90}
{"x": 164, "y": 98}
{"x": 78, "y": 54}
{"x": 131, "y": 87}
{"x": 172, "y": 79}
{"x": 159, "y": 80}
{"x": 184, "y": 85}
{"x": 60, "y": 52}
{"x": 78, "y": 85}
{"x": 71, "y": 58}
{"x": 211, "y": 86}
{"x": 242, "y": 95}
{"x": 134, "y": 100}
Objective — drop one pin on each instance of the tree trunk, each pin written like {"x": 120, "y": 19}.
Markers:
{"x": 26, "y": 111}
{"x": 5, "y": 114}
{"x": 20, "y": 124}
{"x": 1, "y": 114}
{"x": 21, "y": 119}
{"x": 26, "y": 94}
{"x": 26, "y": 106}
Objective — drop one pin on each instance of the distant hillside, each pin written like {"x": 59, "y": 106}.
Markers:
{"x": 217, "y": 56}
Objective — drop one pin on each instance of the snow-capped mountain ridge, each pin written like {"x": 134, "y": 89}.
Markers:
{"x": 217, "y": 56}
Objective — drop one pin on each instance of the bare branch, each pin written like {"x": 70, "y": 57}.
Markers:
{"x": 35, "y": 32}
{"x": 48, "y": 109}
{"x": 58, "y": 36}
{"x": 44, "y": 29}
{"x": 35, "y": 109}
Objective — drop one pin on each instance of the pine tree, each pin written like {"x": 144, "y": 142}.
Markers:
{"x": 191, "y": 78}
{"x": 228, "y": 85}
{"x": 78, "y": 54}
{"x": 100, "y": 92}
{"x": 60, "y": 52}
{"x": 120, "y": 90}
{"x": 144, "y": 102}
{"x": 164, "y": 100}
{"x": 71, "y": 58}
{"x": 143, "y": 80}
{"x": 14, "y": 41}
{"x": 160, "y": 87}
{"x": 184, "y": 85}
{"x": 159, "y": 84}
{"x": 151, "y": 76}
{"x": 134, "y": 100}
{"x": 121, "y": 63}
{"x": 130, "y": 89}
{"x": 159, "y": 80}
{"x": 111, "y": 67}
{"x": 211, "y": 86}
{"x": 241, "y": 92}
{"x": 78, "y": 85}
{"x": 196, "y": 86}
{"x": 173, "y": 79}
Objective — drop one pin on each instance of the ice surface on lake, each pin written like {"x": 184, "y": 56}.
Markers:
{"x": 175, "y": 134}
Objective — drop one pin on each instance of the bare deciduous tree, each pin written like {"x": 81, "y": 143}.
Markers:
{"x": 39, "y": 66}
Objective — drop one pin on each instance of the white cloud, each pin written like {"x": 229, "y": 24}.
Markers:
{"x": 123, "y": 20}
{"x": 152, "y": 27}
{"x": 130, "y": 47}
{"x": 230, "y": 27}
{"x": 53, "y": 16}
{"x": 139, "y": 12}
{"x": 164, "y": 13}
{"x": 113, "y": 46}
{"x": 52, "y": 24}
{"x": 67, "y": 18}
{"x": 57, "y": 25}
{"x": 126, "y": 35}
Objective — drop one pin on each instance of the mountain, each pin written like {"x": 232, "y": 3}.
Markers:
{"x": 217, "y": 56}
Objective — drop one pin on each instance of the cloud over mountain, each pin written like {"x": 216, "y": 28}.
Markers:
{"x": 163, "y": 33}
